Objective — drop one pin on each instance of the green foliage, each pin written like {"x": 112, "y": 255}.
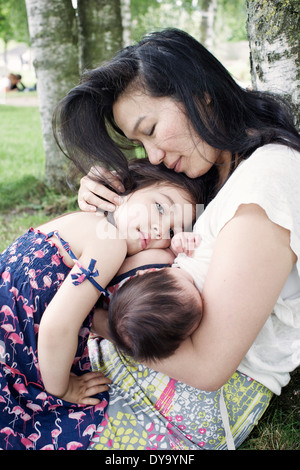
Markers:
{"x": 13, "y": 21}
{"x": 231, "y": 20}
{"x": 25, "y": 200}
{"x": 150, "y": 15}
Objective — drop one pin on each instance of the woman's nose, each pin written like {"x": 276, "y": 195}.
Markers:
{"x": 155, "y": 155}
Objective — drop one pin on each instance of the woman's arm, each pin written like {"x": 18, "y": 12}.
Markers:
{"x": 251, "y": 261}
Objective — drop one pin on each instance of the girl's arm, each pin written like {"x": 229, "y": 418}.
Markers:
{"x": 251, "y": 261}
{"x": 62, "y": 319}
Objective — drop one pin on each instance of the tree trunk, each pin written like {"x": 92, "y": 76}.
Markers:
{"x": 100, "y": 31}
{"x": 126, "y": 22}
{"x": 208, "y": 11}
{"x": 53, "y": 33}
{"x": 274, "y": 38}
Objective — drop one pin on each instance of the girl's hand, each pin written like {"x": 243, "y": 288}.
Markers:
{"x": 93, "y": 195}
{"x": 185, "y": 242}
{"x": 81, "y": 389}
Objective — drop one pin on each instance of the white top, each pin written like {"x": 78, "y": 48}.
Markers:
{"x": 271, "y": 179}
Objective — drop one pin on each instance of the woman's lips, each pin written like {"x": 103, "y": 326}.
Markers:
{"x": 177, "y": 165}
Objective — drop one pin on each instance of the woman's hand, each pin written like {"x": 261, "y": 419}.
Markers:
{"x": 82, "y": 388}
{"x": 93, "y": 195}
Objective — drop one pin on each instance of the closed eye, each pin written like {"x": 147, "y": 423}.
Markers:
{"x": 151, "y": 132}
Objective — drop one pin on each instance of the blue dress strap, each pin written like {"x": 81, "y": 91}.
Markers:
{"x": 88, "y": 273}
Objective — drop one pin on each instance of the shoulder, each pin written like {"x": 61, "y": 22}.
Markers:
{"x": 271, "y": 158}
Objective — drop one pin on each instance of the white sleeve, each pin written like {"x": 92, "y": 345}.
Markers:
{"x": 270, "y": 178}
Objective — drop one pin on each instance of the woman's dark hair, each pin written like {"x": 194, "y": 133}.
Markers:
{"x": 172, "y": 64}
{"x": 149, "y": 316}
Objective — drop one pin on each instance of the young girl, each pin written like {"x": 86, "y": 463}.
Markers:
{"x": 46, "y": 401}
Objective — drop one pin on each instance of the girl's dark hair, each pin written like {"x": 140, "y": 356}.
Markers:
{"x": 143, "y": 174}
{"x": 172, "y": 64}
{"x": 149, "y": 316}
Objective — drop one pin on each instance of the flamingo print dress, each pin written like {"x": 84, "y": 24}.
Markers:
{"x": 31, "y": 271}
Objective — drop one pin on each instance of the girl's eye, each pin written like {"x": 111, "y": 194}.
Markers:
{"x": 171, "y": 233}
{"x": 159, "y": 208}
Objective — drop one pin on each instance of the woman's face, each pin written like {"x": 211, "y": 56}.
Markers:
{"x": 161, "y": 127}
{"x": 149, "y": 217}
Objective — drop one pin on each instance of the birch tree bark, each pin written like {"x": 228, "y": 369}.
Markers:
{"x": 208, "y": 11}
{"x": 273, "y": 28}
{"x": 53, "y": 33}
{"x": 100, "y": 31}
{"x": 126, "y": 22}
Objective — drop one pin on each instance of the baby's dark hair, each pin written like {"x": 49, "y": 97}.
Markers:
{"x": 150, "y": 315}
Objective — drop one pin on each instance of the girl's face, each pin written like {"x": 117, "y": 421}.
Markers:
{"x": 162, "y": 128}
{"x": 149, "y": 217}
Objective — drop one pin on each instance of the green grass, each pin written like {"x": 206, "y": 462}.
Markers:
{"x": 25, "y": 201}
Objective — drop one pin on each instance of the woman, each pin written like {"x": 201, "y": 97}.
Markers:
{"x": 171, "y": 96}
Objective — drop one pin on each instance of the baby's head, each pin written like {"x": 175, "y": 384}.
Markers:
{"x": 152, "y": 313}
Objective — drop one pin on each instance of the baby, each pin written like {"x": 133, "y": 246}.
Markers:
{"x": 152, "y": 313}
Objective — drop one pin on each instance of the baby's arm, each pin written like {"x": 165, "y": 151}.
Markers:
{"x": 185, "y": 242}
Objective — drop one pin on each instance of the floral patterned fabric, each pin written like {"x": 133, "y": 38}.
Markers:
{"x": 31, "y": 271}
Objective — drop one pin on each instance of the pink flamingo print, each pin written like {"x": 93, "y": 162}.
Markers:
{"x": 27, "y": 443}
{"x": 8, "y": 431}
{"x": 15, "y": 339}
{"x": 34, "y": 437}
{"x": 34, "y": 407}
{"x": 90, "y": 430}
{"x": 17, "y": 410}
{"x": 7, "y": 396}
{"x": 21, "y": 389}
{"x": 25, "y": 417}
{"x": 6, "y": 277}
{"x": 15, "y": 292}
{"x": 47, "y": 281}
{"x": 44, "y": 397}
{"x": 78, "y": 416}
{"x": 74, "y": 445}
{"x": 3, "y": 353}
{"x": 56, "y": 432}
{"x": 9, "y": 328}
{"x": 30, "y": 352}
{"x": 39, "y": 254}
{"x": 48, "y": 447}
{"x": 7, "y": 313}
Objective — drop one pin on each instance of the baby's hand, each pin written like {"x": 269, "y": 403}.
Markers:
{"x": 82, "y": 388}
{"x": 185, "y": 242}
